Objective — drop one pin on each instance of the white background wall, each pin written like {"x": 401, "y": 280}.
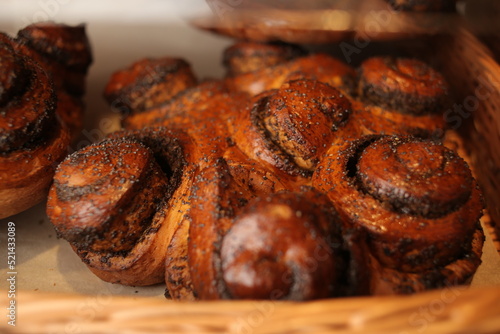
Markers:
{"x": 122, "y": 32}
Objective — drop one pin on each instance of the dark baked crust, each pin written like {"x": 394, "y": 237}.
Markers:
{"x": 409, "y": 229}
{"x": 403, "y": 84}
{"x": 32, "y": 138}
{"x": 289, "y": 129}
{"x": 64, "y": 51}
{"x": 132, "y": 191}
{"x": 245, "y": 57}
{"x": 320, "y": 67}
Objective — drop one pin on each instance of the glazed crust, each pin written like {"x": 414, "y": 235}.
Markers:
{"x": 133, "y": 192}
{"x": 62, "y": 50}
{"x": 246, "y": 57}
{"x": 416, "y": 199}
{"x": 402, "y": 84}
{"x": 371, "y": 119}
{"x": 388, "y": 281}
{"x": 320, "y": 67}
{"x": 30, "y": 109}
{"x": 289, "y": 129}
{"x": 297, "y": 255}
{"x": 32, "y": 139}
{"x": 400, "y": 96}
{"x": 26, "y": 175}
{"x": 43, "y": 77}
{"x": 148, "y": 83}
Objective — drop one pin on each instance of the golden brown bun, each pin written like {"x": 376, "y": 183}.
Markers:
{"x": 43, "y": 76}
{"x": 131, "y": 191}
{"x": 147, "y": 83}
{"x": 416, "y": 199}
{"x": 288, "y": 129}
{"x": 244, "y": 245}
{"x": 403, "y": 84}
{"x": 62, "y": 50}
{"x": 401, "y": 96}
{"x": 26, "y": 175}
{"x": 245, "y": 57}
{"x": 320, "y": 67}
{"x": 32, "y": 139}
{"x": 371, "y": 119}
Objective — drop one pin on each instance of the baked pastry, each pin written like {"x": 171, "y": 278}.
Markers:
{"x": 317, "y": 66}
{"x": 418, "y": 203}
{"x": 278, "y": 246}
{"x": 32, "y": 139}
{"x": 219, "y": 203}
{"x": 132, "y": 190}
{"x": 288, "y": 129}
{"x": 147, "y": 83}
{"x": 63, "y": 51}
{"x": 401, "y": 96}
{"x": 43, "y": 74}
{"x": 246, "y": 57}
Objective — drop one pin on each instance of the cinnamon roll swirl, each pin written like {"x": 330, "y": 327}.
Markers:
{"x": 131, "y": 191}
{"x": 416, "y": 199}
{"x": 32, "y": 139}
{"x": 42, "y": 78}
{"x": 289, "y": 129}
{"x": 401, "y": 96}
{"x": 62, "y": 50}
{"x": 148, "y": 83}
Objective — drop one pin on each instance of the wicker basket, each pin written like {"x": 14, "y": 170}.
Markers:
{"x": 451, "y": 310}
{"x": 477, "y": 86}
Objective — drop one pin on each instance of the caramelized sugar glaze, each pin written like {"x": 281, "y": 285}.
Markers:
{"x": 42, "y": 79}
{"x": 295, "y": 176}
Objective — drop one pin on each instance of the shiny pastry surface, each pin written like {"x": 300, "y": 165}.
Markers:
{"x": 118, "y": 202}
{"x": 245, "y": 57}
{"x": 291, "y": 127}
{"x": 147, "y": 83}
{"x": 291, "y": 178}
{"x": 417, "y": 199}
{"x": 404, "y": 84}
{"x": 32, "y": 139}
